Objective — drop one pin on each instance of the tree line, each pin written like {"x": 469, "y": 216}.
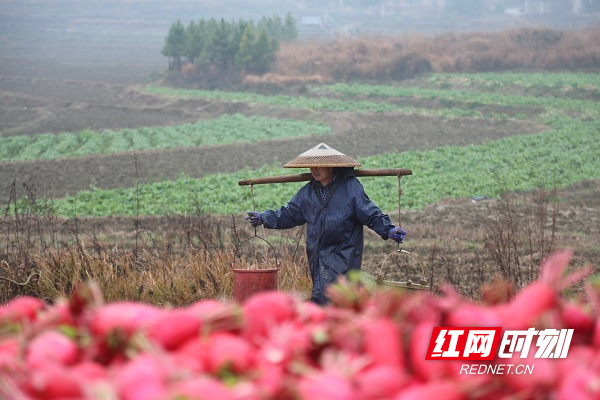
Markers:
{"x": 242, "y": 46}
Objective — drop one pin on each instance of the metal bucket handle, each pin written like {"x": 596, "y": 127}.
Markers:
{"x": 409, "y": 284}
{"x": 422, "y": 284}
{"x": 235, "y": 252}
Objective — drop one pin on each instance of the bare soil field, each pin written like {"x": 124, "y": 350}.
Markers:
{"x": 49, "y": 87}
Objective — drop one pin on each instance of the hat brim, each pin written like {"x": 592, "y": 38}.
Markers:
{"x": 322, "y": 162}
{"x": 322, "y": 156}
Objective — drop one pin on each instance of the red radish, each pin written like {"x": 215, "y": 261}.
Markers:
{"x": 200, "y": 388}
{"x": 9, "y": 351}
{"x": 227, "y": 351}
{"x": 575, "y": 316}
{"x": 579, "y": 373}
{"x": 84, "y": 297}
{"x": 403, "y": 306}
{"x": 580, "y": 357}
{"x": 542, "y": 295}
{"x": 446, "y": 390}
{"x": 126, "y": 317}
{"x": 347, "y": 335}
{"x": 553, "y": 271}
{"x": 113, "y": 325}
{"x": 246, "y": 390}
{"x": 421, "y": 307}
{"x": 544, "y": 373}
{"x": 379, "y": 382}
{"x": 386, "y": 303}
{"x": 217, "y": 315}
{"x": 284, "y": 342}
{"x": 54, "y": 382}
{"x": 210, "y": 308}
{"x": 473, "y": 315}
{"x": 311, "y": 312}
{"x": 21, "y": 309}
{"x": 265, "y": 310}
{"x": 342, "y": 363}
{"x": 528, "y": 306}
{"x": 192, "y": 355}
{"x": 51, "y": 348}
{"x": 325, "y": 386}
{"x": 174, "y": 328}
{"x": 383, "y": 342}
{"x": 54, "y": 316}
{"x": 89, "y": 371}
{"x": 143, "y": 378}
{"x": 271, "y": 379}
{"x": 287, "y": 350}
{"x": 584, "y": 385}
{"x": 425, "y": 369}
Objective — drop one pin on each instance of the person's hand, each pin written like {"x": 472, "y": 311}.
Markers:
{"x": 254, "y": 218}
{"x": 397, "y": 234}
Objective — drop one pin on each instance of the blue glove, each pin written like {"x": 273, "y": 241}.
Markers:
{"x": 255, "y": 218}
{"x": 397, "y": 234}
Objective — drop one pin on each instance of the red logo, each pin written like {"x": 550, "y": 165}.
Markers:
{"x": 463, "y": 343}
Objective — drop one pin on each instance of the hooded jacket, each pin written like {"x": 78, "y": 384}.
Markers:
{"x": 334, "y": 227}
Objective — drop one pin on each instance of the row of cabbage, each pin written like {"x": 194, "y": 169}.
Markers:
{"x": 225, "y": 129}
{"x": 564, "y": 155}
{"x": 563, "y": 82}
{"x": 238, "y": 128}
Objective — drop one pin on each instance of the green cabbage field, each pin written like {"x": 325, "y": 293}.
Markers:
{"x": 566, "y": 152}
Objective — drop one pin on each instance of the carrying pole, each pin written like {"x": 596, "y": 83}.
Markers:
{"x": 307, "y": 176}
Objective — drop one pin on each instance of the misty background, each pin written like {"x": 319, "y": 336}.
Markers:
{"x": 130, "y": 33}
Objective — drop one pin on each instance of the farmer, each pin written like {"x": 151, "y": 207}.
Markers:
{"x": 334, "y": 207}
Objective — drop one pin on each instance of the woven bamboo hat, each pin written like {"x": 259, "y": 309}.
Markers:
{"x": 322, "y": 156}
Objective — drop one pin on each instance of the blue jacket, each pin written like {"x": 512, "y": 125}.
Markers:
{"x": 334, "y": 228}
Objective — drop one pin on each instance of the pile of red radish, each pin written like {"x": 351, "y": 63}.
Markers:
{"x": 366, "y": 345}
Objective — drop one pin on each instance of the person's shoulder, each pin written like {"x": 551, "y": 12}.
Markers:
{"x": 305, "y": 187}
{"x": 352, "y": 184}
{"x": 344, "y": 174}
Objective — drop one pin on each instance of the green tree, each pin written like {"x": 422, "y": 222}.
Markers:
{"x": 194, "y": 42}
{"x": 264, "y": 53}
{"x": 174, "y": 45}
{"x": 246, "y": 50}
{"x": 256, "y": 53}
{"x": 222, "y": 45}
{"x": 222, "y": 48}
{"x": 272, "y": 25}
{"x": 208, "y": 29}
{"x": 290, "y": 31}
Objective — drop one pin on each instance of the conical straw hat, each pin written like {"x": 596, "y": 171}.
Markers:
{"x": 322, "y": 156}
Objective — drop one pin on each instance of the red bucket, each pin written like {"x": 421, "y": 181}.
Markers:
{"x": 247, "y": 282}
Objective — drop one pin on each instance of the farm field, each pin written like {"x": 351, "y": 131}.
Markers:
{"x": 430, "y": 124}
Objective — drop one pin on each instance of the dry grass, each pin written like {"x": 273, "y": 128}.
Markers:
{"x": 157, "y": 273}
{"x": 190, "y": 257}
{"x": 383, "y": 58}
{"x": 507, "y": 243}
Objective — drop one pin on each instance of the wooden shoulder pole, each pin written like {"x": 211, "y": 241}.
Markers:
{"x": 307, "y": 176}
